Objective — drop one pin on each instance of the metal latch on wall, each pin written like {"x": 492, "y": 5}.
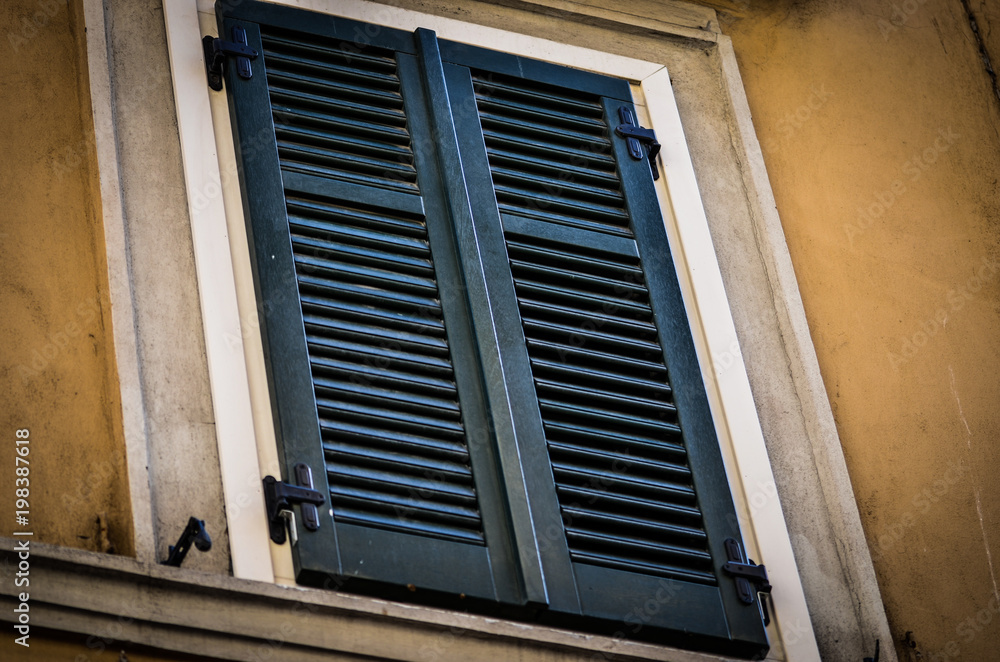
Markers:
{"x": 216, "y": 51}
{"x": 636, "y": 137}
{"x": 194, "y": 534}
{"x": 279, "y": 498}
{"x": 751, "y": 578}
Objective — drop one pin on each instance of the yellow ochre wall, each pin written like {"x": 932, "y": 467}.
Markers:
{"x": 879, "y": 128}
{"x": 57, "y": 368}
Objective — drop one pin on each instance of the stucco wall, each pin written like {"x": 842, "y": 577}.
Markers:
{"x": 879, "y": 127}
{"x": 57, "y": 368}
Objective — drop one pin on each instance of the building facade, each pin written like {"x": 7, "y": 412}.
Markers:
{"x": 541, "y": 375}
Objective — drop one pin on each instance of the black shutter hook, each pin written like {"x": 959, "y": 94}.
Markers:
{"x": 216, "y": 51}
{"x": 636, "y": 136}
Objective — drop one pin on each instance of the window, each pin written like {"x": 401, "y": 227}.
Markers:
{"x": 474, "y": 335}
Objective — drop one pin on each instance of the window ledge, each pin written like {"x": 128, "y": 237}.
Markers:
{"x": 118, "y": 599}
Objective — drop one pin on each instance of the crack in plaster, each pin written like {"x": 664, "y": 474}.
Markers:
{"x": 975, "y": 489}
{"x": 961, "y": 414}
{"x": 983, "y": 53}
{"x": 986, "y": 545}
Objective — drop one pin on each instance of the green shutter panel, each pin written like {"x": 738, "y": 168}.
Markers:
{"x": 363, "y": 329}
{"x": 581, "y": 254}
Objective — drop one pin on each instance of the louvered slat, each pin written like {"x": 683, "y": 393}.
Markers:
{"x": 337, "y": 114}
{"x": 550, "y": 154}
{"x": 607, "y": 410}
{"x": 387, "y": 401}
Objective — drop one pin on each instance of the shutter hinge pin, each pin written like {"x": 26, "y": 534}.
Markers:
{"x": 279, "y": 498}
{"x": 216, "y": 51}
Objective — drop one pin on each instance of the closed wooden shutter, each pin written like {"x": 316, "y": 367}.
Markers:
{"x": 344, "y": 210}
{"x": 580, "y": 251}
{"x": 475, "y": 336}
{"x": 616, "y": 447}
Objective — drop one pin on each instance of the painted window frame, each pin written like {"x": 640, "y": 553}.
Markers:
{"x": 245, "y": 435}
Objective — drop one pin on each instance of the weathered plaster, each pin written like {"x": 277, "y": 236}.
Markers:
{"x": 184, "y": 463}
{"x": 119, "y": 282}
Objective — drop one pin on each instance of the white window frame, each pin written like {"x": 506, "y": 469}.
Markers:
{"x": 245, "y": 432}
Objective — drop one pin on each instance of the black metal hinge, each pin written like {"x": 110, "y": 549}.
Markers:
{"x": 751, "y": 578}
{"x": 279, "y": 498}
{"x": 636, "y": 136}
{"x": 216, "y": 51}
